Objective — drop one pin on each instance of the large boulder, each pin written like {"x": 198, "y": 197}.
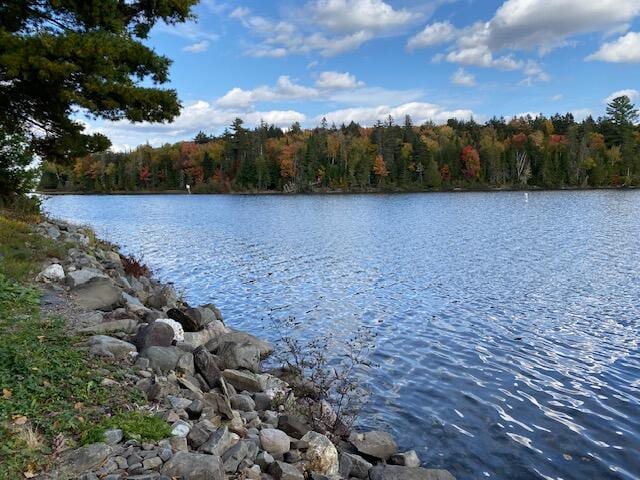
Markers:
{"x": 53, "y": 273}
{"x": 375, "y": 444}
{"x": 207, "y": 366}
{"x": 263, "y": 347}
{"x": 190, "y": 319}
{"x": 157, "y": 334}
{"x": 285, "y": 471}
{"x": 219, "y": 442}
{"x": 193, "y": 340}
{"x": 163, "y": 359}
{"x": 243, "y": 380}
{"x": 397, "y": 472}
{"x": 352, "y": 465}
{"x": 406, "y": 459}
{"x": 321, "y": 454}
{"x": 274, "y": 441}
{"x": 75, "y": 462}
{"x": 98, "y": 294}
{"x": 163, "y": 297}
{"x": 178, "y": 331}
{"x": 294, "y": 426}
{"x": 105, "y": 346}
{"x": 239, "y": 356}
{"x": 82, "y": 276}
{"x": 194, "y": 466}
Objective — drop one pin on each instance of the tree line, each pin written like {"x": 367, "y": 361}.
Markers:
{"x": 523, "y": 152}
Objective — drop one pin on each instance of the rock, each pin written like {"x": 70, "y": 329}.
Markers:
{"x": 180, "y": 429}
{"x": 243, "y": 403}
{"x": 197, "y": 436}
{"x": 178, "y": 403}
{"x": 185, "y": 364}
{"x": 151, "y": 463}
{"x": 194, "y": 466}
{"x": 126, "y": 325}
{"x": 165, "y": 297}
{"x": 113, "y": 436}
{"x": 207, "y": 366}
{"x": 274, "y": 441}
{"x": 293, "y": 426}
{"x": 82, "y": 276}
{"x": 239, "y": 356}
{"x": 193, "y": 340}
{"x": 105, "y": 346}
{"x": 221, "y": 402}
{"x": 242, "y": 380}
{"x": 321, "y": 453}
{"x": 352, "y": 465}
{"x": 178, "y": 331}
{"x": 264, "y": 459}
{"x": 155, "y": 335}
{"x": 53, "y": 273}
{"x": 375, "y": 444}
{"x": 163, "y": 359}
{"x": 195, "y": 409}
{"x": 74, "y": 462}
{"x": 98, "y": 294}
{"x": 219, "y": 442}
{"x": 284, "y": 471}
{"x": 263, "y": 347}
{"x": 179, "y": 444}
{"x": 262, "y": 401}
{"x": 406, "y": 459}
{"x": 190, "y": 383}
{"x": 207, "y": 314}
{"x": 397, "y": 472}
{"x": 234, "y": 456}
{"x": 190, "y": 319}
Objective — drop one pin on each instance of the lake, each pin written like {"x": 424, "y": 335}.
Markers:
{"x": 507, "y": 326}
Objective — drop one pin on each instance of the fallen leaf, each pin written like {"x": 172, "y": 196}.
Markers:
{"x": 78, "y": 406}
{"x": 40, "y": 337}
{"x": 6, "y": 393}
{"x": 19, "y": 419}
{"x": 29, "y": 473}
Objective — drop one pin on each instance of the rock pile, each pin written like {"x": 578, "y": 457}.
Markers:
{"x": 227, "y": 416}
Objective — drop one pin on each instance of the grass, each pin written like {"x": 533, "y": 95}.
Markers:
{"x": 51, "y": 397}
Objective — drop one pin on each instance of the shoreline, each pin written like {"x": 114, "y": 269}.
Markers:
{"x": 227, "y": 416}
{"x": 341, "y": 192}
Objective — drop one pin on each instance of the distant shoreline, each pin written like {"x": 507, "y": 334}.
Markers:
{"x": 337, "y": 192}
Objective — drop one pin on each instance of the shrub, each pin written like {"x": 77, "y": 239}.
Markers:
{"x": 135, "y": 266}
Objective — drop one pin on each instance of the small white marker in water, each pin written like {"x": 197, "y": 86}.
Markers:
{"x": 188, "y": 189}
{"x": 526, "y": 197}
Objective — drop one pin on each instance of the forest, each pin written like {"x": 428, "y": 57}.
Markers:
{"x": 525, "y": 152}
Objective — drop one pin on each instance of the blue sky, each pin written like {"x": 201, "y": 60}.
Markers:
{"x": 362, "y": 60}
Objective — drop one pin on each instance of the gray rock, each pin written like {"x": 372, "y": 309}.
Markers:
{"x": 74, "y": 462}
{"x": 375, "y": 444}
{"x": 352, "y": 465}
{"x": 195, "y": 409}
{"x": 131, "y": 301}
{"x": 239, "y": 356}
{"x": 293, "y": 426}
{"x": 164, "y": 297}
{"x": 206, "y": 365}
{"x": 234, "y": 456}
{"x": 242, "y": 402}
{"x": 193, "y": 340}
{"x": 163, "y": 359}
{"x": 53, "y": 273}
{"x": 321, "y": 453}
{"x": 262, "y": 401}
{"x": 105, "y": 346}
{"x": 405, "y": 459}
{"x": 284, "y": 471}
{"x": 221, "y": 402}
{"x": 190, "y": 319}
{"x": 219, "y": 442}
{"x": 185, "y": 364}
{"x": 98, "y": 294}
{"x": 180, "y": 429}
{"x": 263, "y": 347}
{"x": 197, "y": 436}
{"x": 178, "y": 403}
{"x": 126, "y": 325}
{"x": 113, "y": 436}
{"x": 82, "y": 276}
{"x": 151, "y": 463}
{"x": 274, "y": 441}
{"x": 154, "y": 335}
{"x": 194, "y": 466}
{"x": 264, "y": 459}
{"x": 397, "y": 472}
{"x": 243, "y": 380}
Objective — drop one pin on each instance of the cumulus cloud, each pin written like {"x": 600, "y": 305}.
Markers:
{"x": 337, "y": 80}
{"x": 461, "y": 78}
{"x": 625, "y": 49}
{"x": 629, "y": 92}
{"x": 329, "y": 27}
{"x": 420, "y": 112}
{"x": 434, "y": 34}
{"x": 197, "y": 47}
{"x": 285, "y": 89}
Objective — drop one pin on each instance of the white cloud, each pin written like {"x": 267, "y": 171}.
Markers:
{"x": 284, "y": 90}
{"x": 631, "y": 93}
{"x": 581, "y": 113}
{"x": 434, "y": 34}
{"x": 557, "y": 97}
{"x": 462, "y": 78}
{"x": 420, "y": 112}
{"x": 625, "y": 49}
{"x": 349, "y": 16}
{"x": 337, "y": 80}
{"x": 189, "y": 31}
{"x": 197, "y": 47}
{"x": 240, "y": 12}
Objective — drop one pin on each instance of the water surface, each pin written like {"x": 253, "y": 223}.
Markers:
{"x": 507, "y": 330}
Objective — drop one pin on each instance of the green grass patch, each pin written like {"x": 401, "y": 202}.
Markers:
{"x": 135, "y": 425}
{"x": 50, "y": 391}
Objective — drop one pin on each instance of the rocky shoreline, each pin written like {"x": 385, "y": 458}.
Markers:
{"x": 227, "y": 417}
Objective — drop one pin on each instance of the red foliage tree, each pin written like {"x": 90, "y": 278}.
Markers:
{"x": 471, "y": 161}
